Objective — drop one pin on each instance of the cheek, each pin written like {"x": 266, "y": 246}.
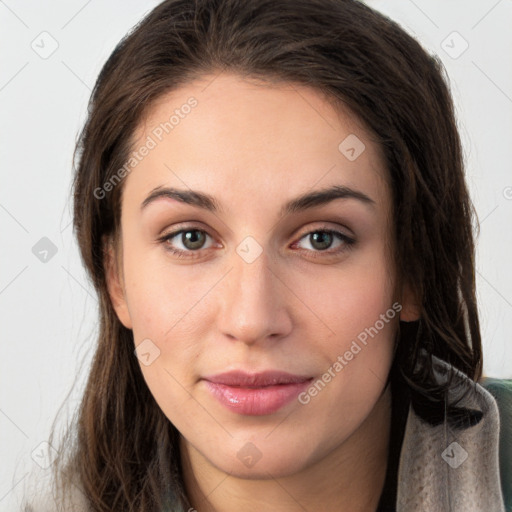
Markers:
{"x": 159, "y": 299}
{"x": 353, "y": 300}
{"x": 358, "y": 308}
{"x": 366, "y": 299}
{"x": 160, "y": 310}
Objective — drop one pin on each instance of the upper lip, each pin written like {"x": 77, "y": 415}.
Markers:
{"x": 247, "y": 379}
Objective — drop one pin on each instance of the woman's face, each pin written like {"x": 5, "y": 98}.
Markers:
{"x": 261, "y": 284}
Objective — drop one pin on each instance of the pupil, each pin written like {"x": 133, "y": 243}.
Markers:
{"x": 323, "y": 237}
{"x": 193, "y": 241}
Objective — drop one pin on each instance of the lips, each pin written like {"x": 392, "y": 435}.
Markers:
{"x": 255, "y": 394}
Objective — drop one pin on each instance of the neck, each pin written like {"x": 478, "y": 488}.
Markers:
{"x": 350, "y": 479}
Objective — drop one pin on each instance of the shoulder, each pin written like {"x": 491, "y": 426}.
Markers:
{"x": 47, "y": 501}
{"x": 41, "y": 495}
{"x": 455, "y": 459}
{"x": 501, "y": 390}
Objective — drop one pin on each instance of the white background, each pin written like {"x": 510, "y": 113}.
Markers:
{"x": 48, "y": 310}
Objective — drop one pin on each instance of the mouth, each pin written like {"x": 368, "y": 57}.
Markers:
{"x": 256, "y": 394}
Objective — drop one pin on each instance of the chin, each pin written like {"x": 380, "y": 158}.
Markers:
{"x": 261, "y": 461}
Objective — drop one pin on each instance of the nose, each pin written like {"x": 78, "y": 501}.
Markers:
{"x": 254, "y": 302}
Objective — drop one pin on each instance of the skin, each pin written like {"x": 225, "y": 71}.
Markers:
{"x": 254, "y": 147}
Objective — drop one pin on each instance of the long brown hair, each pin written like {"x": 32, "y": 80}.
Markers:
{"x": 122, "y": 450}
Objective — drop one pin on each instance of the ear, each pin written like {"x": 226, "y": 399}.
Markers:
{"x": 115, "y": 284}
{"x": 411, "y": 309}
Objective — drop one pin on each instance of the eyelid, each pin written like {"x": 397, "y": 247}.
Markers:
{"x": 326, "y": 227}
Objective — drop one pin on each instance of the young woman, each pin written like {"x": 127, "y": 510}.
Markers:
{"x": 270, "y": 201}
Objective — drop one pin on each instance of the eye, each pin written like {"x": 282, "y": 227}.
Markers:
{"x": 191, "y": 239}
{"x": 321, "y": 240}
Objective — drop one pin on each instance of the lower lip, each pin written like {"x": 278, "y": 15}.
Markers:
{"x": 256, "y": 401}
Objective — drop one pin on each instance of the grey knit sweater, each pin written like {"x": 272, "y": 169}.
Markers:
{"x": 451, "y": 467}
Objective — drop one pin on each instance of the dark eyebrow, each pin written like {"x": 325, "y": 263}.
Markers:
{"x": 301, "y": 203}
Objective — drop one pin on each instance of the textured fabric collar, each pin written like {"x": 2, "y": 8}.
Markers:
{"x": 453, "y": 466}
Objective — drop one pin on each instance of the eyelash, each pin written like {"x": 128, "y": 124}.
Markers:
{"x": 348, "y": 242}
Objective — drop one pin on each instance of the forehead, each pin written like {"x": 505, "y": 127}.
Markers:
{"x": 241, "y": 137}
